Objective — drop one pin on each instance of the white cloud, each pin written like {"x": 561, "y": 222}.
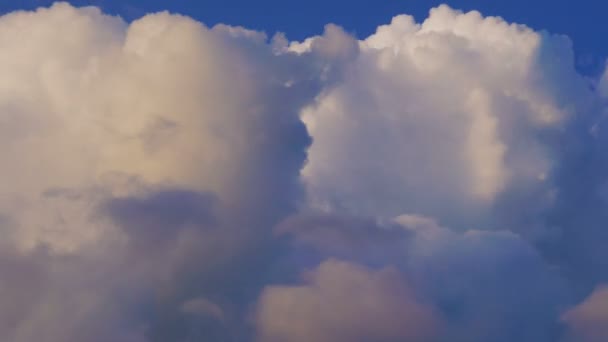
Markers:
{"x": 141, "y": 163}
{"x": 442, "y": 118}
{"x": 164, "y": 99}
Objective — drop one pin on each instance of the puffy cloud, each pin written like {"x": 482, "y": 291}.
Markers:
{"x": 167, "y": 181}
{"x": 485, "y": 285}
{"x": 345, "y": 302}
{"x": 144, "y": 165}
{"x": 443, "y": 118}
{"x": 588, "y": 320}
{"x": 159, "y": 99}
{"x": 471, "y": 120}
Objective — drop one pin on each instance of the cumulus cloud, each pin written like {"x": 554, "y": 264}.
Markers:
{"x": 159, "y": 100}
{"x": 486, "y": 285}
{"x": 587, "y": 321}
{"x": 345, "y": 302}
{"x": 158, "y": 152}
{"x": 441, "y": 118}
{"x": 473, "y": 121}
{"x": 165, "y": 181}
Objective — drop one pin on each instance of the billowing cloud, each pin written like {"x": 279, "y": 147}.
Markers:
{"x": 486, "y": 285}
{"x": 588, "y": 320}
{"x": 165, "y": 181}
{"x": 442, "y": 117}
{"x": 345, "y": 302}
{"x": 473, "y": 121}
{"x": 157, "y": 153}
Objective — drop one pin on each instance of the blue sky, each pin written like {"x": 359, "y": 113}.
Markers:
{"x": 583, "y": 20}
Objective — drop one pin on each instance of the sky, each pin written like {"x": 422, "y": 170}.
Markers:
{"x": 370, "y": 172}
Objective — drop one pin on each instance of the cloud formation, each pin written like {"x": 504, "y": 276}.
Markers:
{"x": 588, "y": 320}
{"x": 344, "y": 302}
{"x": 165, "y": 181}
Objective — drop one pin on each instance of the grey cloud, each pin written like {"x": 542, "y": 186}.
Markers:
{"x": 486, "y": 285}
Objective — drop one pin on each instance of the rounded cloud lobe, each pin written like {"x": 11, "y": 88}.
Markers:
{"x": 441, "y": 118}
{"x": 588, "y": 320}
{"x": 167, "y": 181}
{"x": 344, "y": 302}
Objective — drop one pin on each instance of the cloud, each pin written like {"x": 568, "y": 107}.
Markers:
{"x": 168, "y": 181}
{"x": 473, "y": 121}
{"x": 441, "y": 118}
{"x": 587, "y": 320}
{"x": 145, "y": 163}
{"x": 345, "y": 302}
{"x": 158, "y": 99}
{"x": 485, "y": 284}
